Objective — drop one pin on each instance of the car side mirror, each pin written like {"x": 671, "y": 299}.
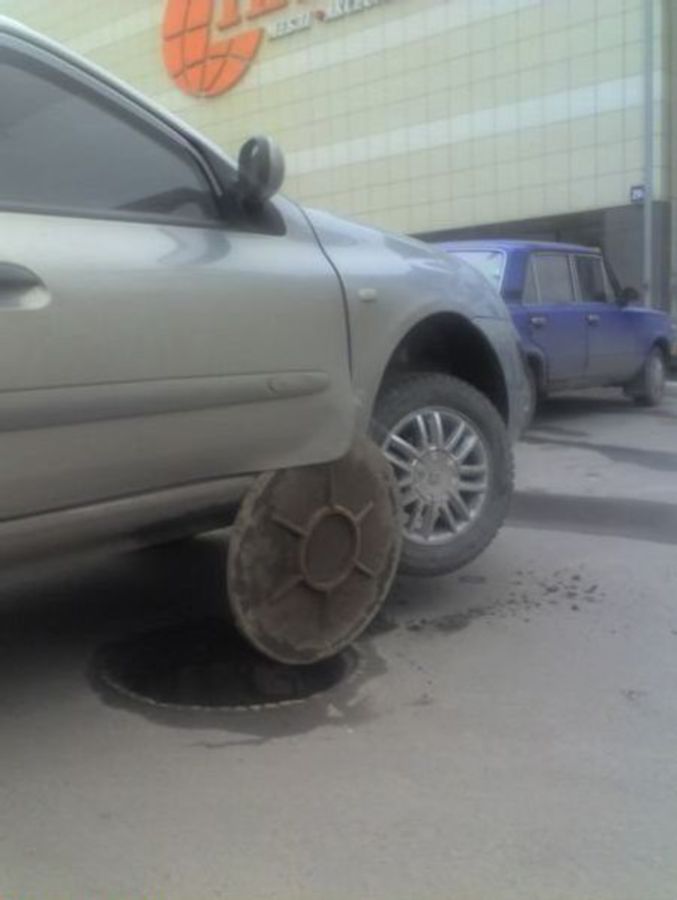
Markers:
{"x": 260, "y": 170}
{"x": 628, "y": 295}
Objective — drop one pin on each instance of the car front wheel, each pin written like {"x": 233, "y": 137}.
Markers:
{"x": 452, "y": 458}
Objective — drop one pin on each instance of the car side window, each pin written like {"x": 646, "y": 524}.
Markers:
{"x": 67, "y": 149}
{"x": 593, "y": 285}
{"x": 548, "y": 279}
{"x": 530, "y": 293}
{"x": 611, "y": 280}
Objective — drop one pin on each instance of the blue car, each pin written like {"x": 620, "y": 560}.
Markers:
{"x": 577, "y": 327}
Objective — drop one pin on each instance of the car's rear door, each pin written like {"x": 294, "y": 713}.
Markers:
{"x": 144, "y": 342}
{"x": 550, "y": 318}
{"x": 614, "y": 347}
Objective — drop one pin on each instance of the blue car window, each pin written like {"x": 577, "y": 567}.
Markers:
{"x": 530, "y": 293}
{"x": 552, "y": 275}
{"x": 592, "y": 284}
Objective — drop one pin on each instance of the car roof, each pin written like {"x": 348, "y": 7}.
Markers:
{"x": 514, "y": 244}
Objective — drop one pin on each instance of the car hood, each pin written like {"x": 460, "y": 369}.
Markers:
{"x": 331, "y": 225}
{"x": 357, "y": 249}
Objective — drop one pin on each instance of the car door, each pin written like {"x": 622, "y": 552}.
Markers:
{"x": 145, "y": 342}
{"x": 549, "y": 317}
{"x": 613, "y": 345}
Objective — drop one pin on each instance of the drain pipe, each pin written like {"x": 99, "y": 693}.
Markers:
{"x": 648, "y": 150}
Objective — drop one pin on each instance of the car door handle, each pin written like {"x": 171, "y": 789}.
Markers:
{"x": 592, "y": 319}
{"x": 20, "y": 288}
{"x": 538, "y": 321}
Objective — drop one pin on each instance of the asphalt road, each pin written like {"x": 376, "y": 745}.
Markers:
{"x": 510, "y": 732}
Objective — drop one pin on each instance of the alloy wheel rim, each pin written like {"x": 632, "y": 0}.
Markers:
{"x": 441, "y": 463}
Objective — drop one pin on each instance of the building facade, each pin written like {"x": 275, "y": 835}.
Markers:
{"x": 433, "y": 117}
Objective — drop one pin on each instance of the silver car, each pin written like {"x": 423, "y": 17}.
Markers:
{"x": 170, "y": 328}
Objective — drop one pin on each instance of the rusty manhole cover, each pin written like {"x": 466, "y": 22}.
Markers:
{"x": 206, "y": 665}
{"x": 312, "y": 554}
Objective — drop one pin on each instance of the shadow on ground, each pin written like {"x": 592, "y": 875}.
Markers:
{"x": 555, "y": 412}
{"x": 149, "y": 633}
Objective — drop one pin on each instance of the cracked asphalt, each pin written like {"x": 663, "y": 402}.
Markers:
{"x": 507, "y": 732}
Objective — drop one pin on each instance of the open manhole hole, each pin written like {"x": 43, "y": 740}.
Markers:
{"x": 206, "y": 665}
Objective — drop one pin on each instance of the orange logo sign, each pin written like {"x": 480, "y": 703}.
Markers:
{"x": 204, "y": 66}
{"x": 200, "y": 65}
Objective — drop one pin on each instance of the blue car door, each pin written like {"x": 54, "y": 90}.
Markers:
{"x": 550, "y": 319}
{"x": 614, "y": 347}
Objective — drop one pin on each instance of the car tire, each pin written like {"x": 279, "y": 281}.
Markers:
{"x": 468, "y": 482}
{"x": 648, "y": 388}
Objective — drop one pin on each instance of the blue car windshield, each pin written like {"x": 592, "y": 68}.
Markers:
{"x": 490, "y": 263}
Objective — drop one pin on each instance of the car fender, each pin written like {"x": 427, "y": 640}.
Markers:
{"x": 392, "y": 284}
{"x": 651, "y": 328}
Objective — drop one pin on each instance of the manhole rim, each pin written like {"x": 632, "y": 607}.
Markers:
{"x": 355, "y": 667}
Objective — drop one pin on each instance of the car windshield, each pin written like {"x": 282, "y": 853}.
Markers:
{"x": 490, "y": 263}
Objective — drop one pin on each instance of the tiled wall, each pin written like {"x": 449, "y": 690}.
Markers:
{"x": 419, "y": 114}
